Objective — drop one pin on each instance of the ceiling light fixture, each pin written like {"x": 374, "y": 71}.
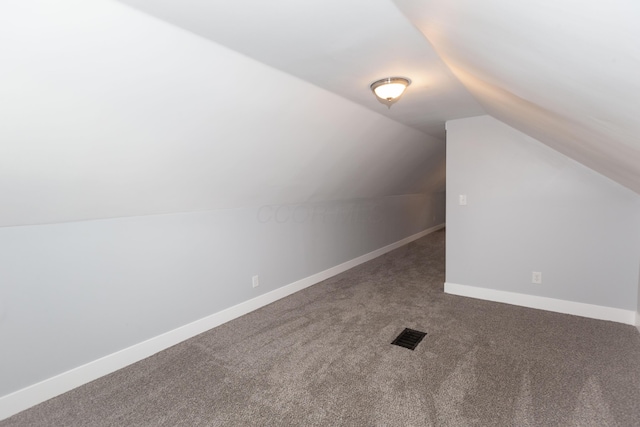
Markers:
{"x": 390, "y": 89}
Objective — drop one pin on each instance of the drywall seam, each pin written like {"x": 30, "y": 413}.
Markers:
{"x": 32, "y": 395}
{"x": 543, "y": 303}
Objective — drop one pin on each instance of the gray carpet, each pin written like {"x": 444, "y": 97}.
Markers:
{"x": 322, "y": 357}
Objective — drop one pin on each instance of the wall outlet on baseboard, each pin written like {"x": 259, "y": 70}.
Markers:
{"x": 536, "y": 277}
{"x": 255, "y": 281}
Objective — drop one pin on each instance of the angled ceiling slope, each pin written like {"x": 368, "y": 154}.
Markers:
{"x": 339, "y": 46}
{"x": 109, "y": 112}
{"x": 565, "y": 72}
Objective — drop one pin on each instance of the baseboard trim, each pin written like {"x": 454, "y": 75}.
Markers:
{"x": 29, "y": 396}
{"x": 543, "y": 303}
{"x": 638, "y": 320}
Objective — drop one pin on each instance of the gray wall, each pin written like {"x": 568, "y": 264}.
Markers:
{"x": 74, "y": 292}
{"x": 135, "y": 160}
{"x": 531, "y": 208}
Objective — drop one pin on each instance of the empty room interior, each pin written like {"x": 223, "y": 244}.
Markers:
{"x": 319, "y": 213}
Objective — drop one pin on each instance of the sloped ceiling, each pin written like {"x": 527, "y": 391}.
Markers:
{"x": 109, "y": 112}
{"x": 341, "y": 46}
{"x": 565, "y": 72}
{"x": 135, "y": 107}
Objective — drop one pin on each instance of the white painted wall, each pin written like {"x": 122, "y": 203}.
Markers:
{"x": 531, "y": 208}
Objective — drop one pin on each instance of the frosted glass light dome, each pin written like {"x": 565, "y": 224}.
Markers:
{"x": 390, "y": 88}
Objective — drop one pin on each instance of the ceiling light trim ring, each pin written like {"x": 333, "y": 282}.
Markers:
{"x": 390, "y": 88}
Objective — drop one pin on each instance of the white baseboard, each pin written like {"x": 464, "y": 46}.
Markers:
{"x": 543, "y": 303}
{"x": 27, "y": 397}
{"x": 638, "y": 320}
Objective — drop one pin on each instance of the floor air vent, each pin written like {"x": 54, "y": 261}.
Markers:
{"x": 409, "y": 338}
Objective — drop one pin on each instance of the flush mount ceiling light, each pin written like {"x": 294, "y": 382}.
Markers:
{"x": 388, "y": 90}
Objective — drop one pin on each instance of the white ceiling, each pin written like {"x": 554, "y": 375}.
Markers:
{"x": 341, "y": 46}
{"x": 109, "y": 111}
{"x": 564, "y": 71}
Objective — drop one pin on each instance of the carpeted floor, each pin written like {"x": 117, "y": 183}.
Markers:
{"x": 322, "y": 357}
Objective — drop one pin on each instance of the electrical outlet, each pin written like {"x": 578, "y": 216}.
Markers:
{"x": 255, "y": 281}
{"x": 462, "y": 199}
{"x": 536, "y": 277}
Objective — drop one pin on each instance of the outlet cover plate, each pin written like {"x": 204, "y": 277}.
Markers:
{"x": 536, "y": 277}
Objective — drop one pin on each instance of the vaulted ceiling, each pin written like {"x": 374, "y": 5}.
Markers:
{"x": 566, "y": 72}
{"x": 109, "y": 112}
{"x": 133, "y": 107}
{"x": 341, "y": 46}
